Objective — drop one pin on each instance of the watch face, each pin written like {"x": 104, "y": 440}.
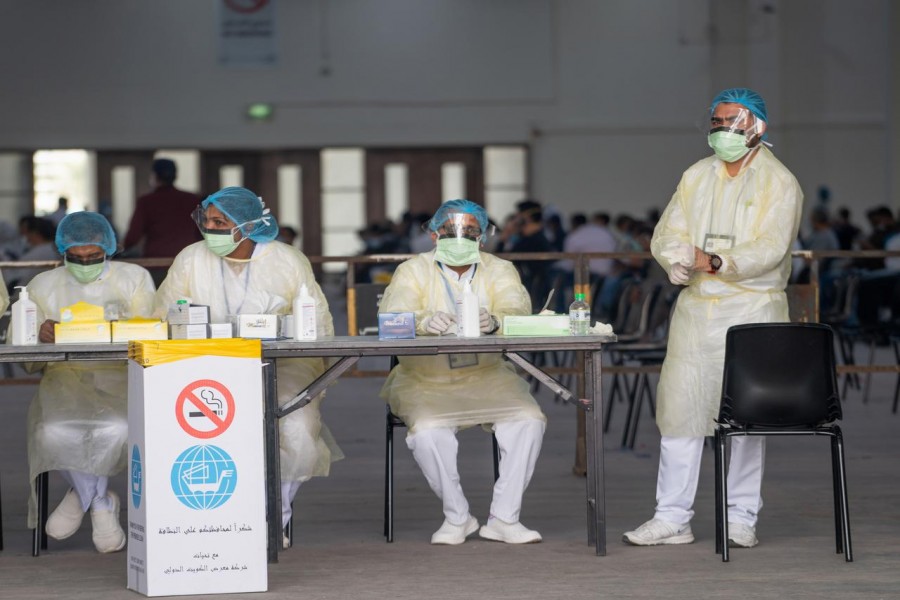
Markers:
{"x": 715, "y": 262}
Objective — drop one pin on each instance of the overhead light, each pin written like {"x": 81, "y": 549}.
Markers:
{"x": 260, "y": 111}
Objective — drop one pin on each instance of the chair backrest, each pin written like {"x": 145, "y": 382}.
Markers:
{"x": 368, "y": 297}
{"x": 779, "y": 375}
{"x": 636, "y": 304}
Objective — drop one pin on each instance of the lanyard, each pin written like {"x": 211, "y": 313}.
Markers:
{"x": 237, "y": 311}
{"x": 450, "y": 295}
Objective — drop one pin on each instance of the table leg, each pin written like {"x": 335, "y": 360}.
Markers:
{"x": 273, "y": 462}
{"x": 596, "y": 500}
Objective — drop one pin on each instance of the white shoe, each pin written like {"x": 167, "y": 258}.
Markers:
{"x": 510, "y": 533}
{"x": 285, "y": 541}
{"x": 657, "y": 532}
{"x": 741, "y": 536}
{"x": 455, "y": 534}
{"x": 108, "y": 535}
{"x": 65, "y": 518}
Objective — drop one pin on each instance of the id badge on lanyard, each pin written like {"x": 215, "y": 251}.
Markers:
{"x": 713, "y": 244}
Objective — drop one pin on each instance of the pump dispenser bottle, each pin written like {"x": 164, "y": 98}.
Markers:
{"x": 304, "y": 315}
{"x": 467, "y": 312}
{"x": 24, "y": 320}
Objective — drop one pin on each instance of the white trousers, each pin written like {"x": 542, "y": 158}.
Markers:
{"x": 435, "y": 451}
{"x": 288, "y": 491}
{"x": 91, "y": 489}
{"x": 679, "y": 471}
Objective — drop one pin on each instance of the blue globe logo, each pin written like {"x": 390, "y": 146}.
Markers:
{"x": 137, "y": 476}
{"x": 203, "y": 477}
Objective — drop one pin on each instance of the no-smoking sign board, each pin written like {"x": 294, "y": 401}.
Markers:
{"x": 205, "y": 408}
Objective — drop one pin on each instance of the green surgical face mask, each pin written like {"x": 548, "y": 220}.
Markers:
{"x": 85, "y": 273}
{"x": 728, "y": 146}
{"x": 221, "y": 244}
{"x": 457, "y": 252}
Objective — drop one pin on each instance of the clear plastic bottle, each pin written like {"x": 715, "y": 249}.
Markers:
{"x": 579, "y": 316}
{"x": 304, "y": 315}
{"x": 24, "y": 320}
{"x": 467, "y": 312}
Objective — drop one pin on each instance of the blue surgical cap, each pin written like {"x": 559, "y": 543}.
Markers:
{"x": 247, "y": 211}
{"x": 745, "y": 97}
{"x": 458, "y": 206}
{"x": 85, "y": 229}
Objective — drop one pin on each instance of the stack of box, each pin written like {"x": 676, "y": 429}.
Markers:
{"x": 81, "y": 323}
{"x": 191, "y": 322}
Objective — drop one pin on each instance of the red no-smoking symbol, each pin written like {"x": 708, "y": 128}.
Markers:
{"x": 205, "y": 408}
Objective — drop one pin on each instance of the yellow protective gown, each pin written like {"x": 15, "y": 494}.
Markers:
{"x": 423, "y": 390}
{"x": 78, "y": 419}
{"x": 266, "y": 284}
{"x": 750, "y": 220}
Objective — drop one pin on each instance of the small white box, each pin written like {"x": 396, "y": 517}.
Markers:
{"x": 221, "y": 330}
{"x": 195, "y": 331}
{"x": 188, "y": 314}
{"x": 257, "y": 326}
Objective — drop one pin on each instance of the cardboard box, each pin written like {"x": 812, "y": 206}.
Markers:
{"x": 196, "y": 331}
{"x": 82, "y": 332}
{"x": 139, "y": 329}
{"x": 188, "y": 314}
{"x": 536, "y": 325}
{"x": 196, "y": 477}
{"x": 221, "y": 330}
{"x": 396, "y": 326}
{"x": 257, "y": 326}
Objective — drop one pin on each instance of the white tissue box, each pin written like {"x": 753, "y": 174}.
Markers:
{"x": 257, "y": 326}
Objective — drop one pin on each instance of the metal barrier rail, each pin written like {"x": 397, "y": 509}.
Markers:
{"x": 581, "y": 274}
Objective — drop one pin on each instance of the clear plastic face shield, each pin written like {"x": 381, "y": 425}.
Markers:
{"x": 462, "y": 226}
{"x": 212, "y": 220}
{"x": 733, "y": 131}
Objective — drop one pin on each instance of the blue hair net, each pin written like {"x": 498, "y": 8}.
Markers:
{"x": 247, "y": 211}
{"x": 458, "y": 206}
{"x": 745, "y": 97}
{"x": 85, "y": 229}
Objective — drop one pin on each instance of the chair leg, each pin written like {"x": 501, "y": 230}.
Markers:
{"x": 836, "y": 491}
{"x": 722, "y": 489}
{"x": 39, "y": 539}
{"x": 496, "y": 448}
{"x": 630, "y": 393}
{"x": 1, "y": 520}
{"x": 614, "y": 391}
{"x": 895, "y": 342}
{"x": 389, "y": 481}
{"x": 845, "y": 510}
{"x": 868, "y": 382}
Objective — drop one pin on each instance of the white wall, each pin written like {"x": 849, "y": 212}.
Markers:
{"x": 605, "y": 91}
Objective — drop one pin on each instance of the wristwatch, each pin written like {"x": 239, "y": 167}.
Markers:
{"x": 715, "y": 263}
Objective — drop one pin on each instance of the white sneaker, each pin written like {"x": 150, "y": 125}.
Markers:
{"x": 741, "y": 536}
{"x": 108, "y": 535}
{"x": 657, "y": 532}
{"x": 510, "y": 533}
{"x": 455, "y": 534}
{"x": 285, "y": 541}
{"x": 65, "y": 518}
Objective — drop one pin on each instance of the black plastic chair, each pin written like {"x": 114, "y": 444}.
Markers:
{"x": 392, "y": 421}
{"x": 779, "y": 379}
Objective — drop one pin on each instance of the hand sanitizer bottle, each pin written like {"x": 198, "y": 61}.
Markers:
{"x": 467, "y": 312}
{"x": 304, "y": 315}
{"x": 24, "y": 320}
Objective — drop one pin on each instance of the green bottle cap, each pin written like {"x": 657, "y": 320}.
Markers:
{"x": 579, "y": 296}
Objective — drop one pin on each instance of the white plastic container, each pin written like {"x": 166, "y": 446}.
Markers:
{"x": 467, "y": 312}
{"x": 304, "y": 315}
{"x": 24, "y": 320}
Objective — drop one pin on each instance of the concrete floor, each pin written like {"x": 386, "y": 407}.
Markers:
{"x": 340, "y": 553}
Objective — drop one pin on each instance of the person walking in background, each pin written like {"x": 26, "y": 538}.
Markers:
{"x": 161, "y": 221}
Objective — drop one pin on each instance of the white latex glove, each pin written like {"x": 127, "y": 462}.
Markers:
{"x": 485, "y": 323}
{"x": 680, "y": 274}
{"x": 439, "y": 323}
{"x": 680, "y": 253}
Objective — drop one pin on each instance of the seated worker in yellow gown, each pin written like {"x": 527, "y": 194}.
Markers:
{"x": 77, "y": 421}
{"x": 438, "y": 395}
{"x": 239, "y": 268}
